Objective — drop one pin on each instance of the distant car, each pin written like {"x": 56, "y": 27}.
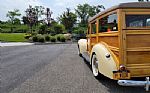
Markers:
{"x": 78, "y": 36}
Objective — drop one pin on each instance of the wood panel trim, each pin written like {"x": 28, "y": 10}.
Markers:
{"x": 113, "y": 55}
{"x": 114, "y": 48}
{"x": 97, "y": 28}
{"x": 137, "y": 32}
{"x": 137, "y": 28}
{"x": 137, "y": 13}
{"x": 104, "y": 34}
{"x": 93, "y": 35}
{"x": 106, "y": 14}
{"x": 136, "y": 10}
{"x": 122, "y": 37}
{"x": 132, "y": 65}
{"x": 90, "y": 37}
{"x": 138, "y": 49}
{"x": 108, "y": 34}
{"x": 138, "y": 66}
{"x": 92, "y": 44}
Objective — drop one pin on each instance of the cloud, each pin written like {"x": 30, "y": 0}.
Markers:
{"x": 9, "y": 5}
{"x": 57, "y": 6}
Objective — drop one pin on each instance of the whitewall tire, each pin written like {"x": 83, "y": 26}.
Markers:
{"x": 79, "y": 51}
{"x": 95, "y": 66}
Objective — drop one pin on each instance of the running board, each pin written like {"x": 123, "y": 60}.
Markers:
{"x": 86, "y": 56}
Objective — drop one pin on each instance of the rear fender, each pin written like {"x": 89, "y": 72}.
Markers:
{"x": 106, "y": 61}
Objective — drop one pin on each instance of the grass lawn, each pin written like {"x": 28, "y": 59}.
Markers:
{"x": 12, "y": 37}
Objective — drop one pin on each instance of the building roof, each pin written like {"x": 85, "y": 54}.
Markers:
{"x": 131, "y": 5}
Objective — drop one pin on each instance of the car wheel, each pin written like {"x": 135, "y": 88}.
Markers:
{"x": 95, "y": 66}
{"x": 79, "y": 51}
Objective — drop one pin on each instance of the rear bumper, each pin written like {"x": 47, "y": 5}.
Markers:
{"x": 145, "y": 84}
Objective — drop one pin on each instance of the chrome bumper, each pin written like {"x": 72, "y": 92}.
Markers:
{"x": 145, "y": 84}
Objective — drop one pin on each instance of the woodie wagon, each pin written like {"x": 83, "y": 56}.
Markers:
{"x": 118, "y": 43}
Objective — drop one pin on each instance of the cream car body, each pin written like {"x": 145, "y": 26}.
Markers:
{"x": 82, "y": 44}
{"x": 106, "y": 66}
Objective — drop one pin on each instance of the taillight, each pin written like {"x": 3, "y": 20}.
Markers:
{"x": 122, "y": 68}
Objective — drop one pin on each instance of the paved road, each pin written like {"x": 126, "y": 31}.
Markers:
{"x": 51, "y": 69}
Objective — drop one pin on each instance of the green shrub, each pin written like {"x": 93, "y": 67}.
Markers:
{"x": 59, "y": 28}
{"x": 1, "y": 30}
{"x": 34, "y": 33}
{"x": 27, "y": 36}
{"x": 42, "y": 29}
{"x": 53, "y": 39}
{"x": 30, "y": 39}
{"x": 35, "y": 39}
{"x": 62, "y": 39}
{"x": 47, "y": 38}
{"x": 40, "y": 38}
{"x": 58, "y": 36}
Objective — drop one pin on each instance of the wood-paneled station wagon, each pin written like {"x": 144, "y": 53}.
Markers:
{"x": 118, "y": 43}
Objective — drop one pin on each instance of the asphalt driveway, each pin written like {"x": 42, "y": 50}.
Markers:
{"x": 51, "y": 69}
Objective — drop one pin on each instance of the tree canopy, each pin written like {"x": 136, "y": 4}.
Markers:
{"x": 13, "y": 14}
{"x": 68, "y": 19}
{"x": 85, "y": 11}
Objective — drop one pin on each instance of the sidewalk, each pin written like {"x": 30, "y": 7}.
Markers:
{"x": 15, "y": 44}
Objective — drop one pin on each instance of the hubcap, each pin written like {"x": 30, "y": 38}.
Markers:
{"x": 95, "y": 66}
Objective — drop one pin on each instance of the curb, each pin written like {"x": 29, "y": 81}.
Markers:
{"x": 38, "y": 43}
{"x": 2, "y": 44}
{"x": 47, "y": 43}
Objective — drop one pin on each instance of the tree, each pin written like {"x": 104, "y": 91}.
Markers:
{"x": 140, "y": 0}
{"x": 143, "y": 0}
{"x": 48, "y": 16}
{"x": 17, "y": 21}
{"x": 93, "y": 10}
{"x": 25, "y": 20}
{"x": 59, "y": 28}
{"x": 12, "y": 16}
{"x": 68, "y": 19}
{"x": 43, "y": 29}
{"x": 33, "y": 14}
{"x": 82, "y": 12}
{"x": 85, "y": 11}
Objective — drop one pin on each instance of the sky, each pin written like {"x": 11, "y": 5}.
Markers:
{"x": 57, "y": 6}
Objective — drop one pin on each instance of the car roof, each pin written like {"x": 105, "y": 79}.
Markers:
{"x": 130, "y": 5}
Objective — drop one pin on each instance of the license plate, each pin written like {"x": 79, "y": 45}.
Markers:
{"x": 124, "y": 74}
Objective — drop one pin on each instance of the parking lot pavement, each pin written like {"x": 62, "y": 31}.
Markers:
{"x": 68, "y": 73}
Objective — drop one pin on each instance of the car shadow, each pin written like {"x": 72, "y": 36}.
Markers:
{"x": 113, "y": 86}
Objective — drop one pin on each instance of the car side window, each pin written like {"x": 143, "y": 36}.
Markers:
{"x": 135, "y": 21}
{"x": 93, "y": 28}
{"x": 108, "y": 23}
